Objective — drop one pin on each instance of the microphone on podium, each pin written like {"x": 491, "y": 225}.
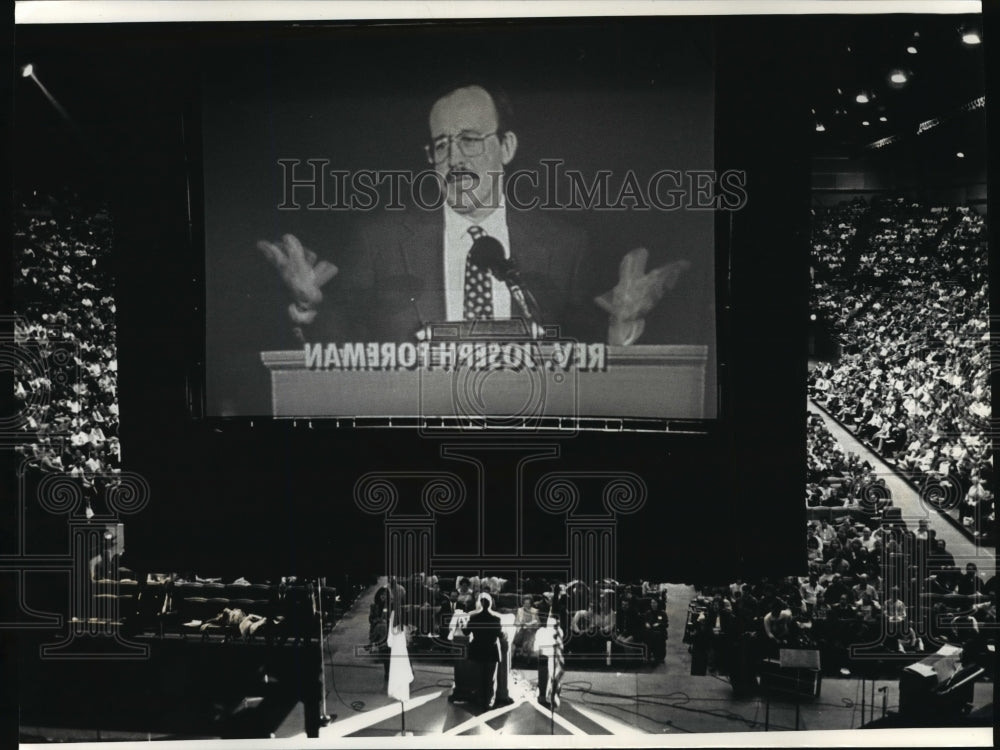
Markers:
{"x": 487, "y": 252}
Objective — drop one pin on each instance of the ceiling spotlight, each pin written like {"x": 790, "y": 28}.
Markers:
{"x": 971, "y": 38}
{"x": 819, "y": 127}
{"x": 960, "y": 155}
{"x": 898, "y": 76}
{"x": 865, "y": 123}
{"x": 912, "y": 50}
{"x": 27, "y": 70}
{"x": 861, "y": 98}
{"x": 812, "y": 317}
{"x": 840, "y": 91}
{"x": 883, "y": 118}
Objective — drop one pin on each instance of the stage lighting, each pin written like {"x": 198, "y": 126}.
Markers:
{"x": 883, "y": 118}
{"x": 812, "y": 317}
{"x": 912, "y": 50}
{"x": 819, "y": 127}
{"x": 960, "y": 155}
{"x": 898, "y": 77}
{"x": 27, "y": 70}
{"x": 971, "y": 38}
{"x": 861, "y": 98}
{"x": 865, "y": 123}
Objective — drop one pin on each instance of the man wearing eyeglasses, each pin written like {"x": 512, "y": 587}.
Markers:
{"x": 412, "y": 268}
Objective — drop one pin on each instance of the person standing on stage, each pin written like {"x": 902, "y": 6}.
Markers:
{"x": 378, "y": 627}
{"x": 656, "y": 632}
{"x": 484, "y": 648}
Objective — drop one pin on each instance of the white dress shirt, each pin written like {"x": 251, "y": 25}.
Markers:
{"x": 457, "y": 243}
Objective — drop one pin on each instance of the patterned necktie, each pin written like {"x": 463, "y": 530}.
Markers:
{"x": 478, "y": 301}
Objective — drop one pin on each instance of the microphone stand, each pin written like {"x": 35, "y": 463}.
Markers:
{"x": 324, "y": 718}
{"x": 526, "y": 301}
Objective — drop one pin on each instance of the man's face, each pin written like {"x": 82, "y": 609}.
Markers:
{"x": 472, "y": 182}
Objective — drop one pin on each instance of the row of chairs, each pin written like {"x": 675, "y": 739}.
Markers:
{"x": 164, "y": 608}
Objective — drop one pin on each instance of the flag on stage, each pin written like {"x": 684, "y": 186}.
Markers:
{"x": 557, "y": 665}
{"x": 400, "y": 672}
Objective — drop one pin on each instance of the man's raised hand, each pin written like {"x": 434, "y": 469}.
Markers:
{"x": 302, "y": 273}
{"x": 636, "y": 294}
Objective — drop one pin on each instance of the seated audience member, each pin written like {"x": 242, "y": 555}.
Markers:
{"x": 970, "y": 583}
{"x": 810, "y": 589}
{"x": 864, "y": 587}
{"x": 909, "y": 642}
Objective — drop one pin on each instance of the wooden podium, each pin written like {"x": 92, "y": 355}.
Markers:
{"x": 659, "y": 382}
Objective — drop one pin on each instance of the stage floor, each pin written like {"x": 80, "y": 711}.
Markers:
{"x": 624, "y": 699}
{"x": 662, "y": 699}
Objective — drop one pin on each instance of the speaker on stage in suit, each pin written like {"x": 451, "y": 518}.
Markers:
{"x": 484, "y": 648}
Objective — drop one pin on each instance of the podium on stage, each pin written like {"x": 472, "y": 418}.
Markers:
{"x": 796, "y": 672}
{"x": 599, "y": 381}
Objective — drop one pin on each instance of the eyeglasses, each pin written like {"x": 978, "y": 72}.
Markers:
{"x": 470, "y": 145}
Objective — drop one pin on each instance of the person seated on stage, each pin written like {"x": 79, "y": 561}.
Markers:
{"x": 581, "y": 631}
{"x": 526, "y": 621}
{"x": 442, "y": 616}
{"x": 466, "y": 597}
{"x": 632, "y": 625}
{"x": 606, "y": 615}
{"x": 655, "y": 632}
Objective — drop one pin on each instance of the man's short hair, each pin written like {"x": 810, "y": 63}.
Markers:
{"x": 484, "y": 601}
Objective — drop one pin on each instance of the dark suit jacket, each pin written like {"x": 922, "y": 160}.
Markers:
{"x": 391, "y": 278}
{"x": 485, "y": 645}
